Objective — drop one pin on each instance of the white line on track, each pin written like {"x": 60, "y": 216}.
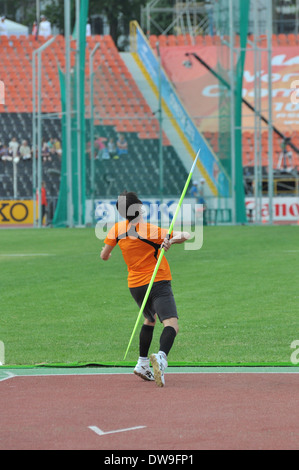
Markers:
{"x": 9, "y": 375}
{"x": 127, "y": 371}
{"x": 99, "y": 431}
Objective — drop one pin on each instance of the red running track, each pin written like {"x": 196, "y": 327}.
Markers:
{"x": 192, "y": 412}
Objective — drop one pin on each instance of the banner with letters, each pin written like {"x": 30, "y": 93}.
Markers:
{"x": 16, "y": 212}
{"x": 199, "y": 89}
{"x": 285, "y": 210}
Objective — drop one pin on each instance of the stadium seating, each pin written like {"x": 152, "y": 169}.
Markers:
{"x": 119, "y": 108}
{"x": 137, "y": 171}
{"x": 206, "y": 40}
{"x": 248, "y": 147}
{"x": 117, "y": 98}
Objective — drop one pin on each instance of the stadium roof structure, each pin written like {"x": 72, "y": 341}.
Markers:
{"x": 16, "y": 29}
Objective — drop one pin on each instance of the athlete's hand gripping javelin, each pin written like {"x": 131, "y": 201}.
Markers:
{"x": 178, "y": 237}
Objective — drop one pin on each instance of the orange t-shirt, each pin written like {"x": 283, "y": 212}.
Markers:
{"x": 138, "y": 255}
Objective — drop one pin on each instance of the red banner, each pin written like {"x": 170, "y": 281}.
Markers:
{"x": 199, "y": 89}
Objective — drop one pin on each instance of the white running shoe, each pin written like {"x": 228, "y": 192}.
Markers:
{"x": 159, "y": 364}
{"x": 143, "y": 370}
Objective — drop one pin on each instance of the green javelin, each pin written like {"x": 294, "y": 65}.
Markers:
{"x": 162, "y": 252}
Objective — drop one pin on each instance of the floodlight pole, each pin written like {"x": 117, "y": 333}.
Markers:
{"x": 37, "y": 129}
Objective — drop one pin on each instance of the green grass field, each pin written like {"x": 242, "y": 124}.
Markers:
{"x": 237, "y": 297}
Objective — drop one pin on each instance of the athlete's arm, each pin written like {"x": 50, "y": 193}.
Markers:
{"x": 106, "y": 252}
{"x": 177, "y": 238}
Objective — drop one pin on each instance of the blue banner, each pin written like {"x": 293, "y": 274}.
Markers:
{"x": 209, "y": 161}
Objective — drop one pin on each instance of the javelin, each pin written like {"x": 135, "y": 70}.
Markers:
{"x": 162, "y": 252}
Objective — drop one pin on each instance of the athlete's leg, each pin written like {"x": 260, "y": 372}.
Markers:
{"x": 142, "y": 368}
{"x": 167, "y": 312}
{"x": 146, "y": 336}
{"x": 168, "y": 335}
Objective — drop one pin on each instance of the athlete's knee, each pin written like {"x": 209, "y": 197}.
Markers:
{"x": 173, "y": 322}
{"x": 150, "y": 323}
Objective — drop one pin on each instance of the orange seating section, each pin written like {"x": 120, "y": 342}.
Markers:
{"x": 117, "y": 99}
{"x": 188, "y": 40}
{"x": 248, "y": 147}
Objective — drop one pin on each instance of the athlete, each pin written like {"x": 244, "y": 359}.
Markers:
{"x": 140, "y": 243}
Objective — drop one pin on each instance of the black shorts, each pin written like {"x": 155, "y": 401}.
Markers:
{"x": 160, "y": 301}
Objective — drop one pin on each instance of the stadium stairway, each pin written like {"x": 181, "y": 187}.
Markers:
{"x": 153, "y": 103}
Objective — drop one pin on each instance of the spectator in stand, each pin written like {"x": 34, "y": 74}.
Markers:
{"x": 57, "y": 147}
{"x": 88, "y": 29}
{"x": 202, "y": 201}
{"x": 34, "y": 29}
{"x": 13, "y": 147}
{"x": 4, "y": 153}
{"x": 3, "y": 28}
{"x": 112, "y": 148}
{"x": 44, "y": 203}
{"x": 99, "y": 146}
{"x": 44, "y": 29}
{"x": 122, "y": 145}
{"x": 46, "y": 152}
{"x": 25, "y": 151}
{"x": 199, "y": 204}
{"x": 51, "y": 146}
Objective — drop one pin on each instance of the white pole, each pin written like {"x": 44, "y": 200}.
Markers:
{"x": 34, "y": 138}
{"x": 79, "y": 162}
{"x": 37, "y": 129}
{"x": 91, "y": 100}
{"x": 257, "y": 121}
{"x": 67, "y": 28}
{"x": 39, "y": 137}
{"x": 270, "y": 111}
{"x": 232, "y": 111}
{"x": 15, "y": 176}
{"x": 161, "y": 166}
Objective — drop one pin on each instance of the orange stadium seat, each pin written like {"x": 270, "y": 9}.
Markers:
{"x": 274, "y": 40}
{"x": 208, "y": 40}
{"x": 153, "y": 40}
{"x": 162, "y": 40}
{"x": 171, "y": 40}
{"x": 282, "y": 39}
{"x": 199, "y": 40}
{"x": 292, "y": 39}
{"x": 181, "y": 40}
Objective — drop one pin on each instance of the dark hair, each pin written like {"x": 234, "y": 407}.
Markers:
{"x": 129, "y": 205}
